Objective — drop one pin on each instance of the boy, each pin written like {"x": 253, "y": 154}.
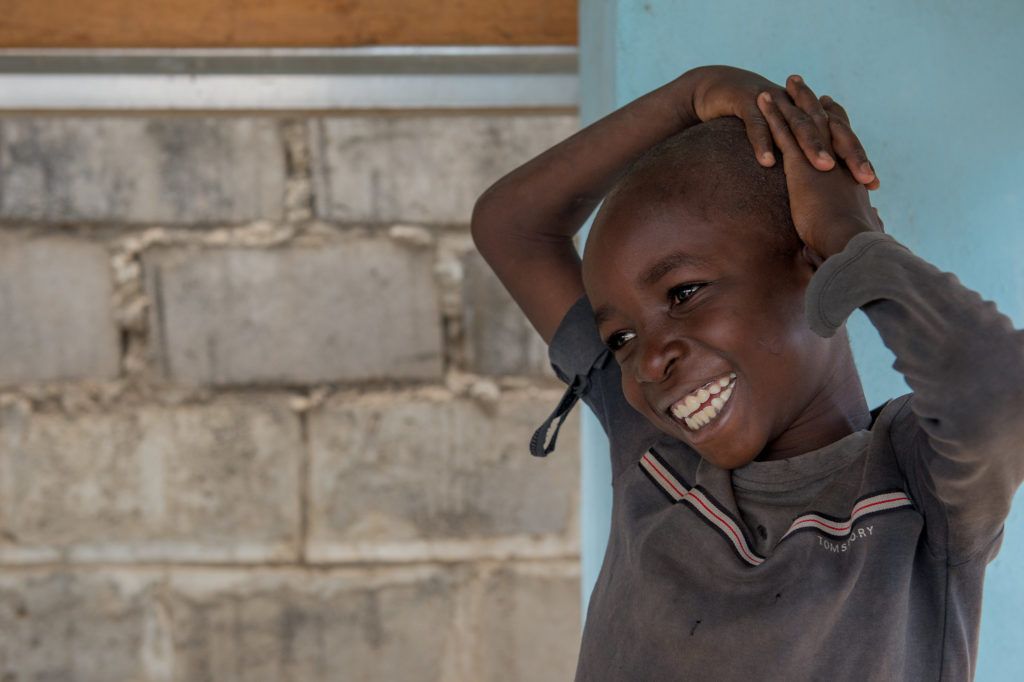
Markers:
{"x": 766, "y": 524}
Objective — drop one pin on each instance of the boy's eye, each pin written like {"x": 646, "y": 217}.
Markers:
{"x": 677, "y": 296}
{"x": 618, "y": 340}
{"x": 683, "y": 292}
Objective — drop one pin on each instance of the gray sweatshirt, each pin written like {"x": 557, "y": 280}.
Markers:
{"x": 862, "y": 560}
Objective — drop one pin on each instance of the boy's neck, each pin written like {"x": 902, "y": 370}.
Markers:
{"x": 838, "y": 410}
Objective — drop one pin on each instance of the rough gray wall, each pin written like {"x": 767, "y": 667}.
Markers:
{"x": 263, "y": 412}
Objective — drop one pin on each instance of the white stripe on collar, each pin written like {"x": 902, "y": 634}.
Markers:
{"x": 712, "y": 512}
{"x": 702, "y": 503}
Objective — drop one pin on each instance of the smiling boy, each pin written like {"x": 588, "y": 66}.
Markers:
{"x": 766, "y": 524}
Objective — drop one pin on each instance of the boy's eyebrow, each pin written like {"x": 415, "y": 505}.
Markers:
{"x": 654, "y": 273}
{"x": 669, "y": 263}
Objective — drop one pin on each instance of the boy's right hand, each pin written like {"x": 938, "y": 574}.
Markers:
{"x": 727, "y": 91}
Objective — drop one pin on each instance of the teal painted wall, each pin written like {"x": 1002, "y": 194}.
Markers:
{"x": 934, "y": 89}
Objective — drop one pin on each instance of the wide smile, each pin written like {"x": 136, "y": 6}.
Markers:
{"x": 704, "y": 409}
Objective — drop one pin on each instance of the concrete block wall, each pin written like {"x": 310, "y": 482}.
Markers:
{"x": 264, "y": 413}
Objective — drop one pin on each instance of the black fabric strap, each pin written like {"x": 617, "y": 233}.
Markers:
{"x": 576, "y": 390}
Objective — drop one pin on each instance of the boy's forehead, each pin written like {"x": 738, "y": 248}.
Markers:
{"x": 648, "y": 267}
{"x": 652, "y": 256}
{"x": 646, "y": 247}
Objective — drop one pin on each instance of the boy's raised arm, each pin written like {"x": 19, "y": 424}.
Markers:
{"x": 523, "y": 224}
{"x": 962, "y": 429}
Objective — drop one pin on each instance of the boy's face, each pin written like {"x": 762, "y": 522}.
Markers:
{"x": 689, "y": 298}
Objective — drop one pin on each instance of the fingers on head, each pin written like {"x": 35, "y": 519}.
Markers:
{"x": 834, "y": 109}
{"x": 811, "y": 133}
{"x": 807, "y": 101}
{"x": 760, "y": 136}
{"x": 848, "y": 145}
{"x": 767, "y": 102}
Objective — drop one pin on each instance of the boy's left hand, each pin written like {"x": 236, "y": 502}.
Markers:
{"x": 828, "y": 207}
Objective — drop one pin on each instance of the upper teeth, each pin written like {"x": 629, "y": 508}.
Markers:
{"x": 685, "y": 408}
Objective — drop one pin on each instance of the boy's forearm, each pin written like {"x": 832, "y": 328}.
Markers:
{"x": 964, "y": 361}
{"x": 550, "y": 197}
{"x": 960, "y": 355}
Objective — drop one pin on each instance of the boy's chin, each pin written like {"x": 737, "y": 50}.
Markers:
{"x": 723, "y": 448}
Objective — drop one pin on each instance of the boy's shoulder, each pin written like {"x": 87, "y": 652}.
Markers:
{"x": 582, "y": 361}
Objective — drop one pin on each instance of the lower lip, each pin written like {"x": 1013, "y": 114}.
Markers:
{"x": 723, "y": 415}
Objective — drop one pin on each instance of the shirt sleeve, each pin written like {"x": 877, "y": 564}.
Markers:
{"x": 580, "y": 359}
{"x": 963, "y": 426}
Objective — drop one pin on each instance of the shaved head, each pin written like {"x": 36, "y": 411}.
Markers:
{"x": 710, "y": 170}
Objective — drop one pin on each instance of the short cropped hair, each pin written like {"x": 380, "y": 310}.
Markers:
{"x": 710, "y": 168}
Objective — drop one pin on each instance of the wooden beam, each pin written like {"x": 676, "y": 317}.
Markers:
{"x": 284, "y": 23}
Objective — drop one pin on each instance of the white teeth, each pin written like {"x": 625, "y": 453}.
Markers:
{"x": 686, "y": 409}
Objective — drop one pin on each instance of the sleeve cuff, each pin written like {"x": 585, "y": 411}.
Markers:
{"x": 850, "y": 279}
{"x": 576, "y": 345}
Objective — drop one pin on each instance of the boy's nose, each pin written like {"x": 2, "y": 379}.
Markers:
{"x": 656, "y": 358}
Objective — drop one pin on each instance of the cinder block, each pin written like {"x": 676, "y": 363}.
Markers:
{"x": 193, "y": 625}
{"x": 215, "y": 482}
{"x": 422, "y": 168}
{"x": 419, "y": 475}
{"x": 365, "y": 309}
{"x": 499, "y": 339}
{"x": 55, "y": 304}
{"x": 180, "y": 169}
{"x": 384, "y": 624}
{"x": 528, "y": 625}
{"x": 87, "y": 627}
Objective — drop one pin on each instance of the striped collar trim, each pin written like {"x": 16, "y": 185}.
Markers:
{"x": 872, "y": 504}
{"x": 712, "y": 512}
{"x": 702, "y": 502}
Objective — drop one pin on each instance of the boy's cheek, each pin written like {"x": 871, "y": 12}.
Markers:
{"x": 636, "y": 399}
{"x": 634, "y": 395}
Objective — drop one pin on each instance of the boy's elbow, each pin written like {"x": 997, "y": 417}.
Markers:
{"x": 477, "y": 219}
{"x": 482, "y": 222}
{"x": 992, "y": 372}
